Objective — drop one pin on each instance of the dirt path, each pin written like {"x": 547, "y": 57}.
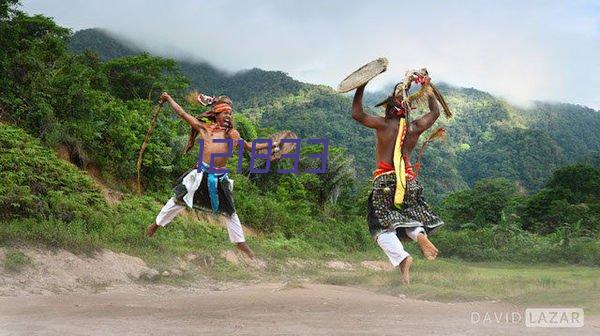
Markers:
{"x": 263, "y": 309}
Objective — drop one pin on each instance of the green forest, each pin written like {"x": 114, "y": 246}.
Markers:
{"x": 512, "y": 184}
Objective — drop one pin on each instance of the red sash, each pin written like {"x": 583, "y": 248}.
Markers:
{"x": 384, "y": 167}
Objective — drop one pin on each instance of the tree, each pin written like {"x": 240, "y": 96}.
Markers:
{"x": 29, "y": 49}
{"x": 143, "y": 76}
{"x": 7, "y": 7}
{"x": 340, "y": 172}
{"x": 571, "y": 196}
{"x": 481, "y": 206}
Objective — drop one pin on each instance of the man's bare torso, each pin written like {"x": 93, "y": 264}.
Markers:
{"x": 211, "y": 147}
{"x": 386, "y": 140}
{"x": 209, "y": 135}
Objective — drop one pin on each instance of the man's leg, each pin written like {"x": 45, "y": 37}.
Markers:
{"x": 236, "y": 234}
{"x": 391, "y": 245}
{"x": 418, "y": 234}
{"x": 165, "y": 216}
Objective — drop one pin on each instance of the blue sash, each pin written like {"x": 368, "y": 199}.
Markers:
{"x": 213, "y": 180}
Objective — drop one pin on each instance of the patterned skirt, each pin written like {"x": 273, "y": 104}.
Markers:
{"x": 384, "y": 216}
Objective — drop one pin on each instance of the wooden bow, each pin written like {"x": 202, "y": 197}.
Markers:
{"x": 145, "y": 144}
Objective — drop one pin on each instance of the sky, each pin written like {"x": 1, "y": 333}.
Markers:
{"x": 519, "y": 50}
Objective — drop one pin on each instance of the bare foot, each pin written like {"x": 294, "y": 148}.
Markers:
{"x": 405, "y": 269}
{"x": 429, "y": 250}
{"x": 151, "y": 230}
{"x": 254, "y": 262}
{"x": 246, "y": 249}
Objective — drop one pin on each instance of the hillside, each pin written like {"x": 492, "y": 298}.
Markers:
{"x": 509, "y": 141}
{"x": 575, "y": 128}
{"x": 105, "y": 45}
{"x": 95, "y": 113}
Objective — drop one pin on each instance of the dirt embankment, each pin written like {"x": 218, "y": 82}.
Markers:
{"x": 50, "y": 272}
{"x": 60, "y": 272}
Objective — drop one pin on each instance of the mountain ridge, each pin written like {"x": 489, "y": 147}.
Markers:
{"x": 276, "y": 100}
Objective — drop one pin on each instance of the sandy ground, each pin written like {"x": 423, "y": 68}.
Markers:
{"x": 60, "y": 293}
{"x": 257, "y": 309}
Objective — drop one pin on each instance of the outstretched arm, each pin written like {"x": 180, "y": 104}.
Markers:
{"x": 235, "y": 136}
{"x": 426, "y": 121}
{"x": 359, "y": 114}
{"x": 195, "y": 123}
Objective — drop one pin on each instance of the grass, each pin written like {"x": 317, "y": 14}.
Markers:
{"x": 443, "y": 280}
{"x": 452, "y": 280}
{"x": 446, "y": 280}
{"x": 15, "y": 261}
{"x": 67, "y": 211}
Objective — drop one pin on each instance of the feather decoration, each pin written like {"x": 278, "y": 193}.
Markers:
{"x": 427, "y": 88}
{"x": 439, "y": 134}
{"x": 196, "y": 98}
{"x": 192, "y": 98}
{"x": 420, "y": 97}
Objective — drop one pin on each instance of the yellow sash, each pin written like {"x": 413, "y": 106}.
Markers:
{"x": 399, "y": 165}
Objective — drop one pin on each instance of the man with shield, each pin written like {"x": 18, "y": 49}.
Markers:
{"x": 396, "y": 207}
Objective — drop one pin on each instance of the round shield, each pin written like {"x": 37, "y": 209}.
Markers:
{"x": 363, "y": 75}
{"x": 285, "y": 147}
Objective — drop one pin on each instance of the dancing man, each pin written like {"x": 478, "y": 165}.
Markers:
{"x": 396, "y": 208}
{"x": 201, "y": 187}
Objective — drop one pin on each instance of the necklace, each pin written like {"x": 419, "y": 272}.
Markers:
{"x": 213, "y": 128}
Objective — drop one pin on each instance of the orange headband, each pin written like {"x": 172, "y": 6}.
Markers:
{"x": 221, "y": 107}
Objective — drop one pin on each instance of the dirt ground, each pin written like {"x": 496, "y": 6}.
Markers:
{"x": 59, "y": 293}
{"x": 257, "y": 309}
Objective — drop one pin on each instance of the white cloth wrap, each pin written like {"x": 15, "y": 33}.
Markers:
{"x": 172, "y": 209}
{"x": 391, "y": 245}
{"x": 192, "y": 182}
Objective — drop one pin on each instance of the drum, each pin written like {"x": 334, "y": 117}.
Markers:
{"x": 284, "y": 147}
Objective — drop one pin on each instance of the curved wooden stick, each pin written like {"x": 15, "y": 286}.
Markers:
{"x": 144, "y": 145}
{"x": 442, "y": 101}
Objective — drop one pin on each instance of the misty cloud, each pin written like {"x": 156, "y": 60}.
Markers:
{"x": 533, "y": 50}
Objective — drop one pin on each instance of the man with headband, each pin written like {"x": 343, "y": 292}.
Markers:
{"x": 396, "y": 208}
{"x": 201, "y": 187}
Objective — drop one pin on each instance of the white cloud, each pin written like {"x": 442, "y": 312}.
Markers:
{"x": 520, "y": 50}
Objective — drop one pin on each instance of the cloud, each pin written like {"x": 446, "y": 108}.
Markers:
{"x": 520, "y": 50}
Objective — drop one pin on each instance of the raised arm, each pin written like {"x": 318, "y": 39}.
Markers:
{"x": 426, "y": 121}
{"x": 359, "y": 114}
{"x": 195, "y": 123}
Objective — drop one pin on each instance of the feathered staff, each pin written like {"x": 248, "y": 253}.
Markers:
{"x": 427, "y": 89}
{"x": 145, "y": 144}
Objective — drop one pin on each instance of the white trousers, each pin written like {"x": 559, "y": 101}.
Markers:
{"x": 391, "y": 245}
{"x": 172, "y": 209}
